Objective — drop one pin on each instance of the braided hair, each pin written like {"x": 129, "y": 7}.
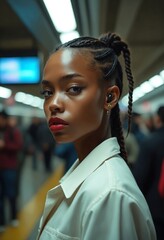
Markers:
{"x": 105, "y": 52}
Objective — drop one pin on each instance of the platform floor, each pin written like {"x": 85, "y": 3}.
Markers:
{"x": 34, "y": 185}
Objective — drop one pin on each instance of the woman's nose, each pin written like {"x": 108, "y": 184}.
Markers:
{"x": 56, "y": 105}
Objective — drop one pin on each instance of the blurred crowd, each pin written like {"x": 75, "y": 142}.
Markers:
{"x": 145, "y": 149}
{"x": 144, "y": 145}
{"x": 19, "y": 143}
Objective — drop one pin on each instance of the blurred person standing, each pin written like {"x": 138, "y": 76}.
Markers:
{"x": 32, "y": 131}
{"x": 10, "y": 145}
{"x": 149, "y": 122}
{"x": 148, "y": 172}
{"x": 132, "y": 148}
{"x": 67, "y": 152}
{"x": 139, "y": 128}
{"x": 46, "y": 144}
{"x": 131, "y": 143}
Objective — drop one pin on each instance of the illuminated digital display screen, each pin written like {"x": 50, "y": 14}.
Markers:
{"x": 19, "y": 70}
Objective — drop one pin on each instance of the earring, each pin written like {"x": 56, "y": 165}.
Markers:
{"x": 109, "y": 107}
{"x": 109, "y": 99}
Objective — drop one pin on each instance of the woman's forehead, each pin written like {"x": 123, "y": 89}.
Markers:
{"x": 70, "y": 57}
{"x": 70, "y": 61}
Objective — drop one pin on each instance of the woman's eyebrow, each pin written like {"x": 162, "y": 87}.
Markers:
{"x": 45, "y": 82}
{"x": 67, "y": 77}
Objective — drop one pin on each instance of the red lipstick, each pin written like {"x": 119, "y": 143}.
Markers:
{"x": 57, "y": 124}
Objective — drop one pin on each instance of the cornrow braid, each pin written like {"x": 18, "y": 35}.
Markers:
{"x": 117, "y": 130}
{"x": 105, "y": 52}
{"x": 126, "y": 54}
{"x": 82, "y": 42}
{"x": 114, "y": 41}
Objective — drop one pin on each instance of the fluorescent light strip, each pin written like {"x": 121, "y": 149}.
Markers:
{"x": 156, "y": 81}
{"x": 61, "y": 14}
{"x": 65, "y": 37}
{"x": 145, "y": 87}
{"x": 22, "y": 97}
{"x": 29, "y": 99}
{"x": 162, "y": 74}
{"x": 5, "y": 92}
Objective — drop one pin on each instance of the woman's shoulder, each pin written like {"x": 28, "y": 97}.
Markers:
{"x": 112, "y": 177}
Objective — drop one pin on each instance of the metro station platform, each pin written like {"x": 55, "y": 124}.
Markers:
{"x": 34, "y": 184}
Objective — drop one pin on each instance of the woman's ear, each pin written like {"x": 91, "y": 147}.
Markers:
{"x": 112, "y": 97}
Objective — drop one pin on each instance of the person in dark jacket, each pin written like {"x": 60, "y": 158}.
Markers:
{"x": 33, "y": 146}
{"x": 148, "y": 169}
{"x": 10, "y": 144}
{"x": 46, "y": 144}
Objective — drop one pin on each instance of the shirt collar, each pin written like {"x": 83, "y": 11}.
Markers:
{"x": 79, "y": 172}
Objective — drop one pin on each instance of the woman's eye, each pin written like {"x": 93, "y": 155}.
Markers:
{"x": 75, "y": 90}
{"x": 46, "y": 93}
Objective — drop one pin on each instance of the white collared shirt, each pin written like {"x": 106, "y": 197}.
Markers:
{"x": 97, "y": 199}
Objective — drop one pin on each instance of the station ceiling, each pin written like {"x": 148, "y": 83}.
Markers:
{"x": 26, "y": 25}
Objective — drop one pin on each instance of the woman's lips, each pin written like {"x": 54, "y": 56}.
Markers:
{"x": 56, "y": 128}
{"x": 57, "y": 124}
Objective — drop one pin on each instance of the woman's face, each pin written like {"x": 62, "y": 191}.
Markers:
{"x": 74, "y": 97}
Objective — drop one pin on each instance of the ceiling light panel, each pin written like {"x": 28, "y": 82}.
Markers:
{"x": 61, "y": 14}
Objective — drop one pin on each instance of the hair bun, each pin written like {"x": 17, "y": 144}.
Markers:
{"x": 113, "y": 41}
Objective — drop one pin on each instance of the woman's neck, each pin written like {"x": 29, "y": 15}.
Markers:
{"x": 86, "y": 144}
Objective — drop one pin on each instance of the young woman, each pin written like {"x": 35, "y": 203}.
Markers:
{"x": 98, "y": 197}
